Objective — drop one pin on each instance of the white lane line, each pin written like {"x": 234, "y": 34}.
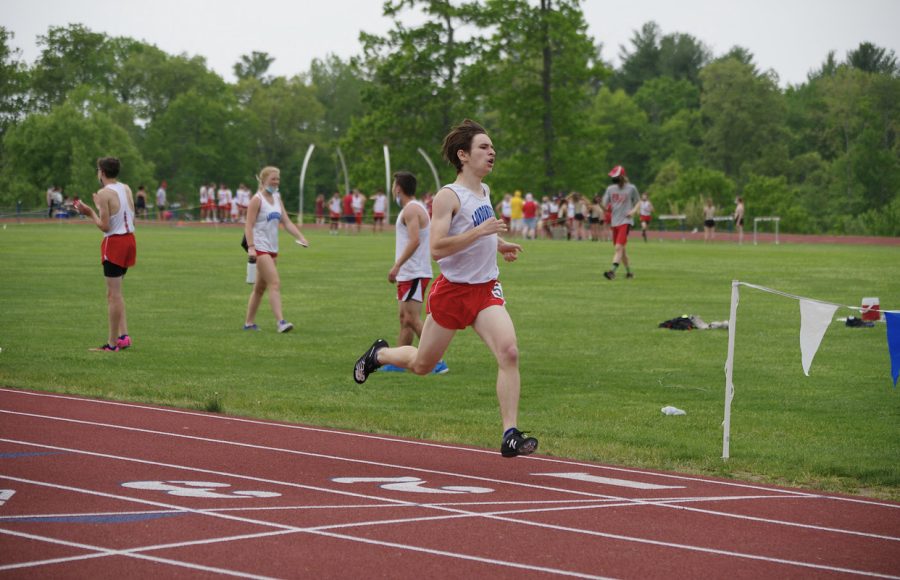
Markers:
{"x": 300, "y": 453}
{"x": 587, "y": 477}
{"x": 460, "y": 513}
{"x": 323, "y": 532}
{"x": 217, "y": 417}
{"x": 393, "y": 466}
{"x": 282, "y": 529}
{"x": 100, "y": 552}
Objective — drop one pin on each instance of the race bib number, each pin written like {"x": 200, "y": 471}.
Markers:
{"x": 498, "y": 291}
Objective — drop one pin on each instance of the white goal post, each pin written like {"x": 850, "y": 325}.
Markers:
{"x": 776, "y": 219}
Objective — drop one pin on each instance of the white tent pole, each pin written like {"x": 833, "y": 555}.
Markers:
{"x": 729, "y": 370}
{"x": 344, "y": 168}
{"x": 303, "y": 180}
{"x": 437, "y": 180}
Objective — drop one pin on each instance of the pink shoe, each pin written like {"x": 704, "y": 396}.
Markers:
{"x": 105, "y": 348}
{"x": 123, "y": 342}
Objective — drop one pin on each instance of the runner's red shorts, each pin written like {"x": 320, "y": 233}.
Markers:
{"x": 120, "y": 250}
{"x": 412, "y": 289}
{"x": 620, "y": 234}
{"x": 456, "y": 306}
{"x": 646, "y": 218}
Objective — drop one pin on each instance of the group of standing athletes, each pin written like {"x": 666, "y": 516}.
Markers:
{"x": 462, "y": 233}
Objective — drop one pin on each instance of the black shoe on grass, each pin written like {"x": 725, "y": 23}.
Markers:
{"x": 609, "y": 275}
{"x": 368, "y": 363}
{"x": 629, "y": 276}
{"x": 517, "y": 444}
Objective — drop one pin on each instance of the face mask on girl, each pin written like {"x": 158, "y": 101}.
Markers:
{"x": 272, "y": 190}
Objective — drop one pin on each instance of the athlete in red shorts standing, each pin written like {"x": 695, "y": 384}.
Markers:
{"x": 465, "y": 241}
{"x": 115, "y": 218}
{"x": 625, "y": 200}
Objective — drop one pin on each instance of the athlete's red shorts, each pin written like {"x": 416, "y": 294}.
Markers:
{"x": 646, "y": 218}
{"x": 456, "y": 306}
{"x": 358, "y": 217}
{"x": 380, "y": 216}
{"x": 273, "y": 254}
{"x": 412, "y": 289}
{"x": 120, "y": 250}
{"x": 620, "y": 234}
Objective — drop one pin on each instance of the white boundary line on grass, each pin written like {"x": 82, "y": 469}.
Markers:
{"x": 438, "y": 445}
{"x": 323, "y": 530}
{"x": 632, "y": 501}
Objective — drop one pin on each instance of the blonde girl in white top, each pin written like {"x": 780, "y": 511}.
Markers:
{"x": 265, "y": 212}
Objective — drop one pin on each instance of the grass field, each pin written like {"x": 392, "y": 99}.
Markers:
{"x": 596, "y": 369}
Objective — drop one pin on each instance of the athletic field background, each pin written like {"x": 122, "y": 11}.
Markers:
{"x": 596, "y": 369}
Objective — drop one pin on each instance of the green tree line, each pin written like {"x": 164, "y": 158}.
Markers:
{"x": 686, "y": 123}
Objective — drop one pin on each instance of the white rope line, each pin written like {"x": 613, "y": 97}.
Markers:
{"x": 795, "y": 297}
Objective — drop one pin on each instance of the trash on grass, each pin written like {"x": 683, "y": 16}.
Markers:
{"x": 670, "y": 410}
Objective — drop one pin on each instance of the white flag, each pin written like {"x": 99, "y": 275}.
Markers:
{"x": 814, "y": 320}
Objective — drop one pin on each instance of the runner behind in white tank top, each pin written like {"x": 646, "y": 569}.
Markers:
{"x": 419, "y": 264}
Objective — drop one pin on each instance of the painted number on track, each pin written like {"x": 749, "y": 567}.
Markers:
{"x": 5, "y": 495}
{"x": 203, "y": 489}
{"x": 411, "y": 485}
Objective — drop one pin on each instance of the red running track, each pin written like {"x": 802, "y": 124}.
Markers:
{"x": 104, "y": 489}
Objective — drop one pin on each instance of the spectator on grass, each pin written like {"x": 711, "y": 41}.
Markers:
{"x": 465, "y": 241}
{"x": 646, "y": 214}
{"x": 118, "y": 251}
{"x": 624, "y": 200}
{"x": 739, "y": 218}
{"x": 320, "y": 209}
{"x": 595, "y": 218}
{"x": 161, "y": 201}
{"x": 411, "y": 270}
{"x": 243, "y": 200}
{"x": 51, "y": 200}
{"x": 140, "y": 202}
{"x": 334, "y": 213}
{"x": 347, "y": 211}
{"x": 379, "y": 207}
{"x": 544, "y": 222}
{"x": 358, "y": 204}
{"x": 529, "y": 217}
{"x": 709, "y": 220}
{"x": 515, "y": 213}
{"x": 266, "y": 211}
{"x": 504, "y": 209}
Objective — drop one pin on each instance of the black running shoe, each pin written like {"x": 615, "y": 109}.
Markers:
{"x": 517, "y": 444}
{"x": 629, "y": 276}
{"x": 609, "y": 275}
{"x": 368, "y": 363}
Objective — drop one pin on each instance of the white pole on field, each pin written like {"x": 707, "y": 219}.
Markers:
{"x": 309, "y": 153}
{"x": 387, "y": 182}
{"x": 729, "y": 370}
{"x": 437, "y": 181}
{"x": 344, "y": 168}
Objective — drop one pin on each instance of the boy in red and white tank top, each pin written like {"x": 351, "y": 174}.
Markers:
{"x": 118, "y": 251}
{"x": 465, "y": 242}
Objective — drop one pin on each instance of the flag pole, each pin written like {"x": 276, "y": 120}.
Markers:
{"x": 729, "y": 370}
